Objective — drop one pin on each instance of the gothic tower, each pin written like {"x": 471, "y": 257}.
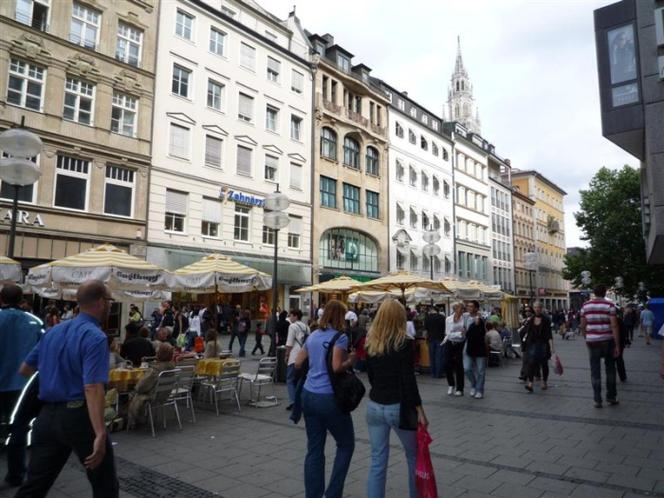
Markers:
{"x": 460, "y": 100}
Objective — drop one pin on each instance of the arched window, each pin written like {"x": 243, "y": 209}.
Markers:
{"x": 400, "y": 171}
{"x": 446, "y": 155}
{"x": 351, "y": 153}
{"x": 424, "y": 144}
{"x": 413, "y": 218}
{"x": 446, "y": 190}
{"x": 456, "y": 110}
{"x": 436, "y": 264}
{"x": 401, "y": 215}
{"x": 448, "y": 265}
{"x": 425, "y": 221}
{"x": 436, "y": 185}
{"x": 425, "y": 182}
{"x": 372, "y": 161}
{"x": 457, "y": 86}
{"x": 328, "y": 143}
{"x": 411, "y": 136}
{"x": 463, "y": 85}
{"x": 412, "y": 175}
{"x": 434, "y": 149}
{"x": 447, "y": 227}
{"x": 348, "y": 249}
{"x": 436, "y": 222}
{"x": 398, "y": 129}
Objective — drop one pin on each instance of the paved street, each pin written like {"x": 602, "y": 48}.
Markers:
{"x": 510, "y": 444}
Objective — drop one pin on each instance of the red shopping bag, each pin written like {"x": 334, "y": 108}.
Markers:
{"x": 557, "y": 365}
{"x": 424, "y": 477}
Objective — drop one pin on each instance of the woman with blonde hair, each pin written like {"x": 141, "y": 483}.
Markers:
{"x": 321, "y": 413}
{"x": 394, "y": 400}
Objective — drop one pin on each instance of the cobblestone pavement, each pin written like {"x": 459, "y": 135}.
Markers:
{"x": 509, "y": 444}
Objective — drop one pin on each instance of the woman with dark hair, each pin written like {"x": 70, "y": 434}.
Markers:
{"x": 212, "y": 344}
{"x": 282, "y": 328}
{"x": 539, "y": 346}
{"x": 321, "y": 413}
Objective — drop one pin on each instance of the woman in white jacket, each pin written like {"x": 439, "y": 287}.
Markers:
{"x": 455, "y": 337}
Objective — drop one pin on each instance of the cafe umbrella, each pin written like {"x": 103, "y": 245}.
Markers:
{"x": 10, "y": 270}
{"x": 402, "y": 281}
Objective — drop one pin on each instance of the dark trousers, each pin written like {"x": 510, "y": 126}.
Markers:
{"x": 436, "y": 359}
{"x": 454, "y": 364}
{"x": 597, "y": 351}
{"x": 537, "y": 362}
{"x": 57, "y": 432}
{"x": 620, "y": 367}
{"x": 259, "y": 344}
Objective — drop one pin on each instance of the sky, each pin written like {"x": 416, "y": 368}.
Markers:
{"x": 532, "y": 64}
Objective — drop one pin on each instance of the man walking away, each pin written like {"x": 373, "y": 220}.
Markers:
{"x": 647, "y": 320}
{"x": 72, "y": 360}
{"x": 434, "y": 324}
{"x": 19, "y": 332}
{"x": 599, "y": 326}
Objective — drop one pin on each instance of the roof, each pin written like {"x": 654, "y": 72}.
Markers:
{"x": 539, "y": 176}
{"x": 516, "y": 193}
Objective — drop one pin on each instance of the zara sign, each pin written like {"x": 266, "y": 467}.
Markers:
{"x": 24, "y": 218}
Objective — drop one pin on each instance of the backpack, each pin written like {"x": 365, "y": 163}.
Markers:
{"x": 348, "y": 388}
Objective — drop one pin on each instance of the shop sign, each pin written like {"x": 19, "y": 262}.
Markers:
{"x": 24, "y": 218}
{"x": 228, "y": 194}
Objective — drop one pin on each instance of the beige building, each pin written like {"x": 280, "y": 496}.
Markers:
{"x": 82, "y": 76}
{"x": 350, "y": 226}
{"x": 523, "y": 225}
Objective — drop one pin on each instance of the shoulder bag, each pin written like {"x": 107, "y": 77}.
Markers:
{"x": 348, "y": 388}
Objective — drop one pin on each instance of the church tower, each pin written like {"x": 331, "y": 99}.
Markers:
{"x": 460, "y": 100}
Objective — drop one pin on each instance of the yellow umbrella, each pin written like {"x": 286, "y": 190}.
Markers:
{"x": 336, "y": 285}
{"x": 401, "y": 280}
{"x": 462, "y": 289}
{"x": 219, "y": 273}
{"x": 10, "y": 270}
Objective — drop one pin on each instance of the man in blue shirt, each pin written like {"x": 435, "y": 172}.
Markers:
{"x": 72, "y": 360}
{"x": 19, "y": 332}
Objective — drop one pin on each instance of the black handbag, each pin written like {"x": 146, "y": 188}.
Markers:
{"x": 348, "y": 389}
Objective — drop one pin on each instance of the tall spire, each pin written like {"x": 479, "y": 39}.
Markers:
{"x": 458, "y": 67}
{"x": 460, "y": 101}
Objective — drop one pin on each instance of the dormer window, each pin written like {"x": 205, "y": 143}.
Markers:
{"x": 402, "y": 105}
{"x": 343, "y": 62}
{"x": 320, "y": 48}
{"x": 413, "y": 112}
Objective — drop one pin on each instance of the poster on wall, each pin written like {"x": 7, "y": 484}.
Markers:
{"x": 343, "y": 248}
{"x": 622, "y": 54}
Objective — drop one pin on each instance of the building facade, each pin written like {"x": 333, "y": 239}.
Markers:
{"x": 233, "y": 103}
{"x": 420, "y": 187}
{"x": 82, "y": 76}
{"x": 460, "y": 100}
{"x": 549, "y": 221}
{"x": 350, "y": 233}
{"x": 502, "y": 246}
{"x": 523, "y": 228}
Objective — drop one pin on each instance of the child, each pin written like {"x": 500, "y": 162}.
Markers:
{"x": 259, "y": 339}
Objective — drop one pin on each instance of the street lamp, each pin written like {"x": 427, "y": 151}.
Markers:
{"x": 619, "y": 284}
{"x": 18, "y": 170}
{"x": 531, "y": 265}
{"x": 275, "y": 219}
{"x": 431, "y": 248}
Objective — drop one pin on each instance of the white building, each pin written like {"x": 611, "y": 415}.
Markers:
{"x": 420, "y": 187}
{"x": 232, "y": 121}
{"x": 502, "y": 246}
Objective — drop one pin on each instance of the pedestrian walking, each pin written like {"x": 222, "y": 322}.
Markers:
{"x": 629, "y": 320}
{"x": 321, "y": 413}
{"x": 72, "y": 360}
{"x": 600, "y": 328}
{"x": 258, "y": 338}
{"x": 474, "y": 358}
{"x": 538, "y": 340}
{"x": 297, "y": 335}
{"x": 647, "y": 321}
{"x": 20, "y": 331}
{"x": 434, "y": 323}
{"x": 455, "y": 338}
{"x": 528, "y": 312}
{"x": 394, "y": 400}
{"x": 624, "y": 342}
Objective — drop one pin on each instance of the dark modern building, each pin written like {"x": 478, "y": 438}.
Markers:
{"x": 629, "y": 36}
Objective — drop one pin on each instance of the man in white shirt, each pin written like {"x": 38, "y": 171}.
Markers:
{"x": 297, "y": 334}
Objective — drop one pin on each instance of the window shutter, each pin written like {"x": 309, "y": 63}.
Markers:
{"x": 298, "y": 81}
{"x": 246, "y": 105}
{"x": 295, "y": 225}
{"x": 243, "y": 160}
{"x": 211, "y": 211}
{"x": 176, "y": 202}
{"x": 212, "y": 151}
{"x": 296, "y": 175}
{"x": 273, "y": 64}
{"x": 179, "y": 145}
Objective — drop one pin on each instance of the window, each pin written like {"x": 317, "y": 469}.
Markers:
{"x": 414, "y": 261}
{"x": 181, "y": 80}
{"x": 343, "y": 62}
{"x": 245, "y": 108}
{"x": 328, "y": 192}
{"x": 424, "y": 144}
{"x": 296, "y": 128}
{"x": 412, "y": 175}
{"x": 413, "y": 218}
{"x": 436, "y": 222}
{"x": 328, "y": 143}
{"x": 372, "y": 161}
{"x": 271, "y": 118}
{"x": 297, "y": 81}
{"x": 130, "y": 41}
{"x": 247, "y": 56}
{"x": 215, "y": 92}
{"x": 348, "y": 249}
{"x": 268, "y": 235}
{"x": 402, "y": 105}
{"x": 411, "y": 137}
{"x": 446, "y": 155}
{"x": 272, "y": 168}
{"x": 446, "y": 190}
{"x": 401, "y": 215}
{"x": 241, "y": 223}
{"x": 434, "y": 149}
{"x": 398, "y": 130}
{"x": 413, "y": 112}
{"x": 176, "y": 211}
{"x": 79, "y": 101}
{"x": 400, "y": 171}
{"x": 373, "y": 209}
{"x": 210, "y": 217}
{"x": 26, "y": 84}
{"x": 25, "y": 193}
{"x": 184, "y": 24}
{"x": 273, "y": 69}
{"x": 123, "y": 114}
{"x": 33, "y": 13}
{"x": 119, "y": 191}
{"x": 71, "y": 183}
{"x": 229, "y": 12}
{"x": 213, "y": 151}
{"x": 84, "y": 26}
{"x": 436, "y": 186}
{"x": 401, "y": 261}
{"x": 179, "y": 141}
{"x": 244, "y": 161}
{"x": 294, "y": 232}
{"x": 217, "y": 41}
{"x": 425, "y": 182}
{"x": 296, "y": 176}
{"x": 351, "y": 153}
{"x": 425, "y": 221}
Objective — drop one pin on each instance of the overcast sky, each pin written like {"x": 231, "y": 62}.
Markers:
{"x": 532, "y": 64}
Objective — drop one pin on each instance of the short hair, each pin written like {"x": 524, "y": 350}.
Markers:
{"x": 489, "y": 326}
{"x": 297, "y": 313}
{"x": 334, "y": 315}
{"x": 475, "y": 303}
{"x": 164, "y": 352}
{"x": 11, "y": 295}
{"x": 144, "y": 332}
{"x": 600, "y": 290}
{"x": 132, "y": 329}
{"x": 91, "y": 291}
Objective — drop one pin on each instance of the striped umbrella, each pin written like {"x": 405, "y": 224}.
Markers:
{"x": 219, "y": 273}
{"x": 10, "y": 270}
{"x": 402, "y": 281}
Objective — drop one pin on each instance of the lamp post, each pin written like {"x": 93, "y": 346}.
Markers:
{"x": 275, "y": 219}
{"x": 619, "y": 284}
{"x": 431, "y": 248}
{"x": 531, "y": 265}
{"x": 18, "y": 170}
{"x": 586, "y": 280}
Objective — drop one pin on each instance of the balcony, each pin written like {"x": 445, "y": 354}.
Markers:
{"x": 331, "y": 106}
{"x": 357, "y": 117}
{"x": 351, "y": 115}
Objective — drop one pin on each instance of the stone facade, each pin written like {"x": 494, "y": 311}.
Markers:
{"x": 524, "y": 242}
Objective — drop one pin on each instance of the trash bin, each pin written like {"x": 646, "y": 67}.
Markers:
{"x": 281, "y": 364}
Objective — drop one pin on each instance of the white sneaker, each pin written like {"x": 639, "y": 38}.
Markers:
{"x": 450, "y": 390}
{"x": 458, "y": 393}
{"x": 479, "y": 396}
{"x": 472, "y": 392}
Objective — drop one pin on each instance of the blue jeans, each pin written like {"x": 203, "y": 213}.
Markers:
{"x": 290, "y": 382}
{"x": 475, "y": 368}
{"x": 380, "y": 419}
{"x": 321, "y": 415}
{"x": 436, "y": 359}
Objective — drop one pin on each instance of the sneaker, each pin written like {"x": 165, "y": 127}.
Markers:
{"x": 450, "y": 390}
{"x": 479, "y": 395}
{"x": 613, "y": 402}
{"x": 472, "y": 392}
{"x": 458, "y": 393}
{"x": 598, "y": 404}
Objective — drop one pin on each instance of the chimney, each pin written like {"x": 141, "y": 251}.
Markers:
{"x": 329, "y": 39}
{"x": 508, "y": 162}
{"x": 405, "y": 94}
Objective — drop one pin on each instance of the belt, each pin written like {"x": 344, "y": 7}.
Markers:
{"x": 78, "y": 403}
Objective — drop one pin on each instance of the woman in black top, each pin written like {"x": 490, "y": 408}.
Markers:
{"x": 393, "y": 389}
{"x": 539, "y": 346}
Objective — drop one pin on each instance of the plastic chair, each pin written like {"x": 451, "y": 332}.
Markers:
{"x": 264, "y": 376}
{"x": 184, "y": 386}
